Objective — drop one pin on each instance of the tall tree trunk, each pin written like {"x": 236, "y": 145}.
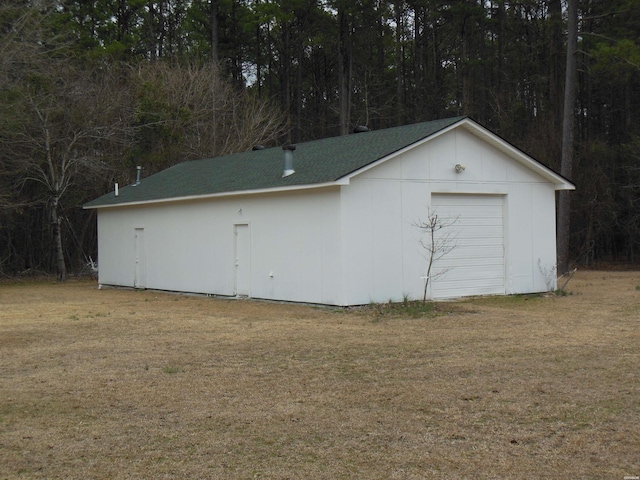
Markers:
{"x": 164, "y": 27}
{"x": 259, "y": 56}
{"x": 236, "y": 60}
{"x": 399, "y": 62}
{"x": 555, "y": 60}
{"x": 151, "y": 32}
{"x": 466, "y": 66}
{"x": 344, "y": 70}
{"x": 299, "y": 93}
{"x": 501, "y": 90}
{"x": 213, "y": 13}
{"x": 121, "y": 20}
{"x": 270, "y": 56}
{"x": 378, "y": 79}
{"x": 285, "y": 75}
{"x": 57, "y": 238}
{"x": 568, "y": 123}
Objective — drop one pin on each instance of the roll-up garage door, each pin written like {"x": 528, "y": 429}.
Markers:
{"x": 475, "y": 263}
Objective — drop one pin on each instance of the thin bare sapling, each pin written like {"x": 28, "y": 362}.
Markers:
{"x": 437, "y": 240}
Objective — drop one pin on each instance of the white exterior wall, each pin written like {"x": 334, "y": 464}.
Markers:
{"x": 342, "y": 245}
{"x": 383, "y": 257}
{"x": 190, "y": 246}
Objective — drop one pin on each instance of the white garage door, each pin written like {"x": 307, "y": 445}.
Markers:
{"x": 475, "y": 264}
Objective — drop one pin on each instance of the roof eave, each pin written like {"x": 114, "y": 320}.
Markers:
{"x": 191, "y": 198}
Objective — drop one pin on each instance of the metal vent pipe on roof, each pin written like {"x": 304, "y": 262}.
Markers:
{"x": 288, "y": 160}
{"x": 138, "y": 172}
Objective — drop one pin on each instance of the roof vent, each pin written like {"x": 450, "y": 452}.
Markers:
{"x": 138, "y": 172}
{"x": 258, "y": 147}
{"x": 360, "y": 129}
{"x": 288, "y": 160}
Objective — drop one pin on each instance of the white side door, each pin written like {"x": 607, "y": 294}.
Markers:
{"x": 242, "y": 260}
{"x": 140, "y": 268}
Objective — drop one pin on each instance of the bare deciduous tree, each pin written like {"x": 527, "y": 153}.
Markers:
{"x": 190, "y": 112}
{"x": 66, "y": 123}
{"x": 440, "y": 240}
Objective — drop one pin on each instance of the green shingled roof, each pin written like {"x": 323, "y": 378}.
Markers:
{"x": 315, "y": 162}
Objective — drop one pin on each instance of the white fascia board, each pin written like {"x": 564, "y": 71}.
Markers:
{"x": 559, "y": 182}
{"x": 191, "y": 198}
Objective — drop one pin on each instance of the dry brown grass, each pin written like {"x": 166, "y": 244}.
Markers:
{"x": 139, "y": 384}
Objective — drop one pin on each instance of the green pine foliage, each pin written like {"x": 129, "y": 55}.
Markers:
{"x": 320, "y": 68}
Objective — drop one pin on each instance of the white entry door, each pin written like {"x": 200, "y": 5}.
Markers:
{"x": 242, "y": 260}
{"x": 140, "y": 268}
{"x": 476, "y": 263}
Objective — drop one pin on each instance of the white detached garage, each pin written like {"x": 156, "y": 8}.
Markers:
{"x": 341, "y": 229}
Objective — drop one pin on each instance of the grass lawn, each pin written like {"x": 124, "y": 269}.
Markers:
{"x": 139, "y": 384}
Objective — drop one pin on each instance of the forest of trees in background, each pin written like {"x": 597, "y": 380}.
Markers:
{"x": 89, "y": 89}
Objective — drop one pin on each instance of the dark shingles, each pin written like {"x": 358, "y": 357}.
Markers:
{"x": 315, "y": 162}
